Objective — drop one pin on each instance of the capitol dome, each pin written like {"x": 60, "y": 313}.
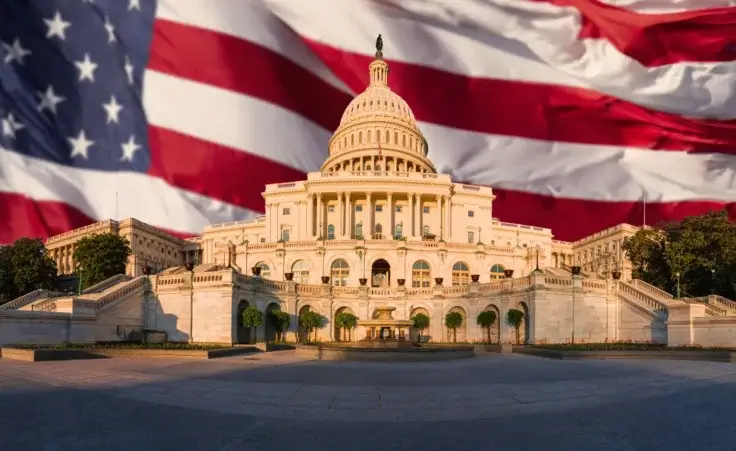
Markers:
{"x": 378, "y": 131}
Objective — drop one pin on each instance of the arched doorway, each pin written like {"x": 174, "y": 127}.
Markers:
{"x": 460, "y": 332}
{"x": 524, "y": 332}
{"x": 415, "y": 334}
{"x": 381, "y": 274}
{"x": 342, "y": 334}
{"x": 270, "y": 323}
{"x": 496, "y": 327}
{"x": 303, "y": 334}
{"x": 243, "y": 333}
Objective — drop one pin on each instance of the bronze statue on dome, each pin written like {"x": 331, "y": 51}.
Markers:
{"x": 379, "y": 47}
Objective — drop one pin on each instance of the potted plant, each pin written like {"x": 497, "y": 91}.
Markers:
{"x": 256, "y": 270}
{"x": 508, "y": 273}
{"x": 363, "y": 281}
{"x": 616, "y": 275}
{"x": 189, "y": 266}
{"x": 401, "y": 282}
{"x": 438, "y": 280}
{"x": 325, "y": 279}
{"x": 475, "y": 277}
{"x": 289, "y": 276}
{"x": 575, "y": 270}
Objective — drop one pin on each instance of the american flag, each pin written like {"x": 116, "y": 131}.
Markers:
{"x": 577, "y": 112}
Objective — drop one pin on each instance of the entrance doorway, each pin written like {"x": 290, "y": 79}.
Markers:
{"x": 381, "y": 274}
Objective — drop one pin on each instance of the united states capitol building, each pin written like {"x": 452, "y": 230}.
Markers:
{"x": 376, "y": 226}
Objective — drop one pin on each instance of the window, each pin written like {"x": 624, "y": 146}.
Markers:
{"x": 378, "y": 167}
{"x": 425, "y": 230}
{"x": 265, "y": 270}
{"x": 379, "y": 208}
{"x": 460, "y": 274}
{"x": 339, "y": 272}
{"x": 330, "y": 232}
{"x": 359, "y": 230}
{"x": 426, "y": 209}
{"x": 263, "y": 240}
{"x": 286, "y": 211}
{"x": 331, "y": 209}
{"x": 471, "y": 214}
{"x": 300, "y": 268}
{"x": 398, "y": 232}
{"x": 398, "y": 209}
{"x": 358, "y": 208}
{"x": 285, "y": 234}
{"x": 379, "y": 229}
{"x": 420, "y": 275}
{"x": 497, "y": 272}
{"x": 471, "y": 237}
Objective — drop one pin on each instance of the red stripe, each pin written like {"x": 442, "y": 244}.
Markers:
{"x": 536, "y": 111}
{"x": 245, "y": 67}
{"x": 704, "y": 35}
{"x": 36, "y": 219}
{"x": 213, "y": 170}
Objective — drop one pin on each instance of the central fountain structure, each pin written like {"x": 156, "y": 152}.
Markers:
{"x": 383, "y": 331}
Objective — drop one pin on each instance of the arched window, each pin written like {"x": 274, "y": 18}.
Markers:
{"x": 265, "y": 270}
{"x": 359, "y": 230}
{"x": 425, "y": 230}
{"x": 378, "y": 167}
{"x": 398, "y": 232}
{"x": 339, "y": 272}
{"x": 300, "y": 268}
{"x": 379, "y": 228}
{"x": 497, "y": 272}
{"x": 420, "y": 275}
{"x": 330, "y": 232}
{"x": 352, "y": 140}
{"x": 396, "y": 137}
{"x": 369, "y": 134}
{"x": 360, "y": 137}
{"x": 388, "y": 136}
{"x": 460, "y": 274}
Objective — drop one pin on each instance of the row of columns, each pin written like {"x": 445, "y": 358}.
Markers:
{"x": 377, "y": 164}
{"x": 63, "y": 256}
{"x": 345, "y": 225}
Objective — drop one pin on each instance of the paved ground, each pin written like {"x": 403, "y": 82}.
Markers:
{"x": 277, "y": 402}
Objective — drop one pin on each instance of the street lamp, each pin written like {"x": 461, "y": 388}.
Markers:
{"x": 537, "y": 247}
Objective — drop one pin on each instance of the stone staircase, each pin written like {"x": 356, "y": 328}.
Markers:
{"x": 646, "y": 297}
{"x": 715, "y": 305}
{"x": 30, "y": 298}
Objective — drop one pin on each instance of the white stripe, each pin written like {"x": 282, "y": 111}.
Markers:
{"x": 234, "y": 120}
{"x": 93, "y": 193}
{"x": 512, "y": 40}
{"x": 551, "y": 168}
{"x": 668, "y": 6}
{"x": 250, "y": 20}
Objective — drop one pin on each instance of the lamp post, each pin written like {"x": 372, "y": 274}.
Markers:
{"x": 537, "y": 248}
{"x": 677, "y": 274}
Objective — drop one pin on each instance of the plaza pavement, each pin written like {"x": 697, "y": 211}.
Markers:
{"x": 275, "y": 401}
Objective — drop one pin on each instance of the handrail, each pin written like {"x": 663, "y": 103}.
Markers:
{"x": 638, "y": 283}
{"x": 107, "y": 283}
{"x": 28, "y": 298}
{"x": 109, "y": 298}
{"x": 641, "y": 297}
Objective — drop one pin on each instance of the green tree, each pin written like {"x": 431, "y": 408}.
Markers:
{"x": 311, "y": 321}
{"x": 347, "y": 321}
{"x": 99, "y": 257}
{"x": 702, "y": 249}
{"x": 252, "y": 317}
{"x": 453, "y": 320}
{"x": 31, "y": 265}
{"x": 485, "y": 320}
{"x": 421, "y": 323}
{"x": 514, "y": 318}
{"x": 7, "y": 286}
{"x": 281, "y": 321}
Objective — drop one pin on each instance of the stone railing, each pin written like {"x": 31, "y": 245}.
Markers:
{"x": 47, "y": 305}
{"x": 29, "y": 298}
{"x": 339, "y": 291}
{"x": 642, "y": 298}
{"x": 721, "y": 302}
{"x": 377, "y": 244}
{"x": 558, "y": 281}
{"x": 242, "y": 279}
{"x": 109, "y": 298}
{"x": 419, "y": 291}
{"x": 492, "y": 287}
{"x": 107, "y": 283}
{"x": 640, "y": 284}
{"x": 594, "y": 284}
{"x": 316, "y": 289}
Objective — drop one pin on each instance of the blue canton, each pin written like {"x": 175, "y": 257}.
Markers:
{"x": 71, "y": 76}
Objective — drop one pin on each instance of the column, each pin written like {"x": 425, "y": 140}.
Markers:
{"x": 369, "y": 205}
{"x": 418, "y": 215}
{"x": 390, "y": 215}
{"x": 410, "y": 226}
{"x": 340, "y": 215}
{"x": 349, "y": 216}
{"x": 441, "y": 208}
{"x": 320, "y": 217}
{"x": 448, "y": 218}
{"x": 310, "y": 216}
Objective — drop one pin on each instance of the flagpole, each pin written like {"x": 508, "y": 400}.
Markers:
{"x": 644, "y": 220}
{"x": 116, "y": 206}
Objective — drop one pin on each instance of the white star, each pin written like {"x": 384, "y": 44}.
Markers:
{"x": 113, "y": 109}
{"x": 15, "y": 52}
{"x": 134, "y": 4}
{"x": 80, "y": 145}
{"x": 86, "y": 68}
{"x": 49, "y": 99}
{"x": 128, "y": 70}
{"x": 110, "y": 28}
{"x": 57, "y": 26}
{"x": 129, "y": 149}
{"x": 88, "y": 1}
{"x": 10, "y": 126}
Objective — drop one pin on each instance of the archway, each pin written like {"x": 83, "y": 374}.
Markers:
{"x": 269, "y": 321}
{"x": 381, "y": 274}
{"x": 496, "y": 327}
{"x": 415, "y": 334}
{"x": 524, "y": 331}
{"x": 303, "y": 334}
{"x": 243, "y": 334}
{"x": 342, "y": 334}
{"x": 460, "y": 331}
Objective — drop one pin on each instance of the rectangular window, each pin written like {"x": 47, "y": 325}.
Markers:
{"x": 285, "y": 235}
{"x": 471, "y": 213}
{"x": 379, "y": 207}
{"x": 426, "y": 209}
{"x": 331, "y": 209}
{"x": 471, "y": 237}
{"x": 358, "y": 208}
{"x": 398, "y": 209}
{"x": 286, "y": 211}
